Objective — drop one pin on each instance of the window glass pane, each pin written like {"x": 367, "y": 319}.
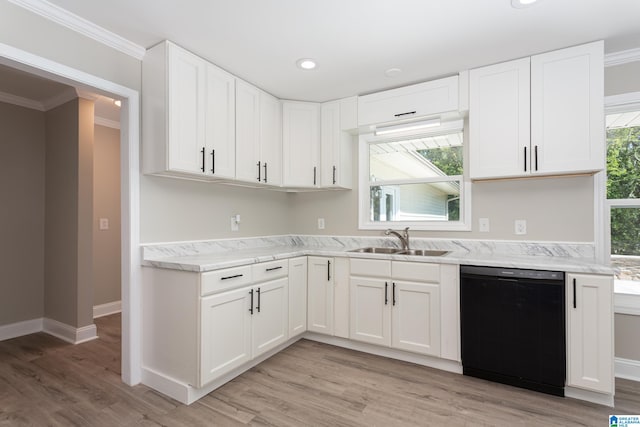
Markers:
{"x": 436, "y": 201}
{"x": 625, "y": 248}
{"x": 623, "y": 155}
{"x": 416, "y": 158}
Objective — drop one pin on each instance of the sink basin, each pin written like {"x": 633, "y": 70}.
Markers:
{"x": 377, "y": 250}
{"x": 422, "y": 252}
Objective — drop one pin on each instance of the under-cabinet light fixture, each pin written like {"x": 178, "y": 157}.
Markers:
{"x": 406, "y": 127}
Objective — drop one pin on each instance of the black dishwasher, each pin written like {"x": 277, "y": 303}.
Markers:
{"x": 512, "y": 325}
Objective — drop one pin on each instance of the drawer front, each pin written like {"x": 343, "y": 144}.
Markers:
{"x": 416, "y": 271}
{"x": 370, "y": 267}
{"x": 424, "y": 99}
{"x": 222, "y": 280}
{"x": 270, "y": 270}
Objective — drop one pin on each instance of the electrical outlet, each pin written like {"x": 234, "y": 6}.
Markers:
{"x": 104, "y": 223}
{"x": 320, "y": 223}
{"x": 484, "y": 225}
{"x": 521, "y": 226}
{"x": 235, "y": 223}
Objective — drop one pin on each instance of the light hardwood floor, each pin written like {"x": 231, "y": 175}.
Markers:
{"x": 44, "y": 381}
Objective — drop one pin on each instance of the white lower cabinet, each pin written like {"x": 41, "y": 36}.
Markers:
{"x": 297, "y": 296}
{"x": 320, "y": 295}
{"x": 270, "y": 316}
{"x": 400, "y": 308}
{"x": 590, "y": 332}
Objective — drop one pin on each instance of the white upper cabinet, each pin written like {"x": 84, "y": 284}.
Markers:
{"x": 336, "y": 143}
{"x": 409, "y": 102}
{"x": 300, "y": 144}
{"x": 542, "y": 115}
{"x": 567, "y": 110}
{"x": 258, "y": 136}
{"x": 187, "y": 115}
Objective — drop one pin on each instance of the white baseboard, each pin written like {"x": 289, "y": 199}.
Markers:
{"x": 69, "y": 333}
{"x": 19, "y": 329}
{"x": 107, "y": 309}
{"x": 628, "y": 369}
{"x": 590, "y": 396}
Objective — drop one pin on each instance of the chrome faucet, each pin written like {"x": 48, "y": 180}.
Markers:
{"x": 404, "y": 237}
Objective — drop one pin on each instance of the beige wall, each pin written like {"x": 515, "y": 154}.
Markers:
{"x": 106, "y": 204}
{"x": 176, "y": 210}
{"x": 21, "y": 214}
{"x": 627, "y": 330}
{"x": 622, "y": 79}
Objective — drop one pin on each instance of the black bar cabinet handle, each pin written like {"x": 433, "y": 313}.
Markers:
{"x": 334, "y": 174}
{"x": 314, "y": 175}
{"x": 202, "y": 151}
{"x": 393, "y": 294}
{"x": 259, "y": 170}
{"x": 231, "y": 277}
{"x": 328, "y": 270}
{"x": 251, "y": 306}
{"x": 404, "y": 114}
{"x": 525, "y": 159}
{"x": 265, "y": 172}
{"x": 575, "y": 305}
{"x": 386, "y": 296}
{"x": 258, "y": 307}
{"x": 274, "y": 268}
{"x": 536, "y": 153}
{"x": 213, "y": 161}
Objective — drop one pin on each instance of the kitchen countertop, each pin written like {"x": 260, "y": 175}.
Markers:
{"x": 192, "y": 260}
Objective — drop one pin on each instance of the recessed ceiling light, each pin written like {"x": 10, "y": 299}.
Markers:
{"x": 306, "y": 63}
{"x": 117, "y": 102}
{"x": 519, "y": 4}
{"x": 393, "y": 72}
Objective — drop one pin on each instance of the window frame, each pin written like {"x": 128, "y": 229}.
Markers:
{"x": 623, "y": 303}
{"x": 364, "y": 184}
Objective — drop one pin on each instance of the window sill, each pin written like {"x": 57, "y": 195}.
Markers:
{"x": 626, "y": 299}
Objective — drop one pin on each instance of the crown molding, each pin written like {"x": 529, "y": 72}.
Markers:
{"x": 101, "y": 121}
{"x": 20, "y": 101}
{"x": 62, "y": 98}
{"x": 622, "y": 57}
{"x": 80, "y": 25}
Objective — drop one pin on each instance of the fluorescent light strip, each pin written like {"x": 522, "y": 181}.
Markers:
{"x": 387, "y": 130}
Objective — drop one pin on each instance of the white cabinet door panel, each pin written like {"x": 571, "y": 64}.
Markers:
{"x": 247, "y": 131}
{"x": 320, "y": 295}
{"x": 270, "y": 139}
{"x": 297, "y": 296}
{"x": 370, "y": 311}
{"x": 416, "y": 317}
{"x": 300, "y": 144}
{"x": 220, "y": 123}
{"x": 225, "y": 333}
{"x": 270, "y": 323}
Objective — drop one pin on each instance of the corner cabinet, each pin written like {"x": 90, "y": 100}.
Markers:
{"x": 590, "y": 332}
{"x": 320, "y": 295}
{"x": 338, "y": 119}
{"x": 258, "y": 136}
{"x": 188, "y": 115}
{"x": 300, "y": 144}
{"x": 542, "y": 115}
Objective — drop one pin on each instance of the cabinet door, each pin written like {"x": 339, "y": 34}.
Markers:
{"x": 567, "y": 110}
{"x": 247, "y": 132}
{"x": 370, "y": 312}
{"x": 297, "y": 296}
{"x": 320, "y": 295}
{"x": 271, "y": 139}
{"x": 270, "y": 323}
{"x": 415, "y": 317}
{"x": 590, "y": 332}
{"x": 225, "y": 333}
{"x": 300, "y": 143}
{"x": 329, "y": 143}
{"x": 220, "y": 123}
{"x": 341, "y": 298}
{"x": 186, "y": 112}
{"x": 499, "y": 136}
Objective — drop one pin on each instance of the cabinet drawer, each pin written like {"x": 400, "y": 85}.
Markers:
{"x": 370, "y": 267}
{"x": 416, "y": 271}
{"x": 221, "y": 280}
{"x": 424, "y": 99}
{"x": 270, "y": 270}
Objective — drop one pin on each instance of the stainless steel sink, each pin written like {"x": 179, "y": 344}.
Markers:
{"x": 422, "y": 252}
{"x": 371, "y": 250}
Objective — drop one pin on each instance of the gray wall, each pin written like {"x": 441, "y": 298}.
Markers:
{"x": 106, "y": 204}
{"x": 22, "y": 158}
{"x": 68, "y": 290}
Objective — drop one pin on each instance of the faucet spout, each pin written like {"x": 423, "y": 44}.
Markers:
{"x": 404, "y": 237}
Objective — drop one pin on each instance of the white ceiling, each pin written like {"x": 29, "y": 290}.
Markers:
{"x": 355, "y": 41}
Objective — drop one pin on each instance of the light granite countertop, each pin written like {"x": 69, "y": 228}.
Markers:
{"x": 218, "y": 254}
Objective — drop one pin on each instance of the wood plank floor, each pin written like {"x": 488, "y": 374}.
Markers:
{"x": 46, "y": 382}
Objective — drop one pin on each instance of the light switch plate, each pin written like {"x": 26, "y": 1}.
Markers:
{"x": 521, "y": 226}
{"x": 104, "y": 223}
{"x": 320, "y": 223}
{"x": 484, "y": 225}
